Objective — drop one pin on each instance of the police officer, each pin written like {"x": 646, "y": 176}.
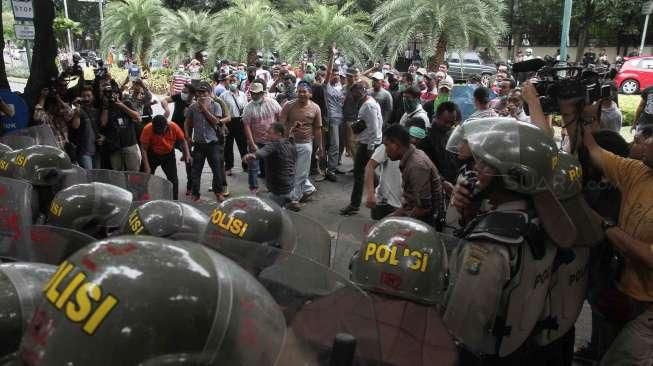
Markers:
{"x": 508, "y": 253}
{"x": 141, "y": 300}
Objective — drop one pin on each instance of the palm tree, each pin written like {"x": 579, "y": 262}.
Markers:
{"x": 183, "y": 33}
{"x": 245, "y": 27}
{"x": 439, "y": 24}
{"x": 133, "y": 23}
{"x": 318, "y": 28}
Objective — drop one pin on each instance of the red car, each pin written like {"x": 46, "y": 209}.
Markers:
{"x": 635, "y": 74}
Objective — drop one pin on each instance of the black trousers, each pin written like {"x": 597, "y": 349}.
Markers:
{"x": 237, "y": 135}
{"x": 381, "y": 210}
{"x": 169, "y": 165}
{"x": 362, "y": 156}
{"x": 214, "y": 153}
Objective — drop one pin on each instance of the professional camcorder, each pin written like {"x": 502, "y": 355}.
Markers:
{"x": 554, "y": 83}
{"x": 101, "y": 72}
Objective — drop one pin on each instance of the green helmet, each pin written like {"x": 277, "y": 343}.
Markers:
{"x": 169, "y": 219}
{"x": 402, "y": 257}
{"x": 142, "y": 300}
{"x": 90, "y": 208}
{"x": 522, "y": 153}
{"x": 252, "y": 219}
{"x": 567, "y": 186}
{"x": 20, "y": 292}
{"x": 40, "y": 165}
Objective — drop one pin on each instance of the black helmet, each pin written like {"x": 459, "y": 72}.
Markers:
{"x": 40, "y": 165}
{"x": 142, "y": 300}
{"x": 167, "y": 219}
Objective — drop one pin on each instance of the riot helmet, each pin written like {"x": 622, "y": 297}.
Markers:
{"x": 251, "y": 219}
{"x": 20, "y": 292}
{"x": 40, "y": 165}
{"x": 168, "y": 219}
{"x": 402, "y": 257}
{"x": 90, "y": 208}
{"x": 142, "y": 300}
{"x": 4, "y": 149}
{"x": 567, "y": 186}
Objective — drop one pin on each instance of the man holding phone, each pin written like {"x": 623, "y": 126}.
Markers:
{"x": 204, "y": 122}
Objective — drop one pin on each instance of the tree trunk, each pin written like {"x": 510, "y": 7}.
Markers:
{"x": 438, "y": 57}
{"x": 4, "y": 83}
{"x": 582, "y": 41}
{"x": 251, "y": 56}
{"x": 43, "y": 67}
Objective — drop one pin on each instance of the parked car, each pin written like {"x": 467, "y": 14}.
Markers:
{"x": 635, "y": 74}
{"x": 471, "y": 64}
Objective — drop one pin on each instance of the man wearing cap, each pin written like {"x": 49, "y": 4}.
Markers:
{"x": 413, "y": 107}
{"x": 258, "y": 116}
{"x": 221, "y": 83}
{"x": 204, "y": 122}
{"x": 444, "y": 95}
{"x": 382, "y": 96}
{"x": 303, "y": 119}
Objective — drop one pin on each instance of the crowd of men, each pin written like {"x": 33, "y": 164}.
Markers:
{"x": 293, "y": 126}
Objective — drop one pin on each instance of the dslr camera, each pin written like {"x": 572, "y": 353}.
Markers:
{"x": 555, "y": 83}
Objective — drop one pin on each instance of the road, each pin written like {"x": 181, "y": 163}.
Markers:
{"x": 324, "y": 208}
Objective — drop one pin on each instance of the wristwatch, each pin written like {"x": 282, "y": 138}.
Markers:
{"x": 607, "y": 223}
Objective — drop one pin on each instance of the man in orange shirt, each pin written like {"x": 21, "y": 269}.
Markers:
{"x": 158, "y": 148}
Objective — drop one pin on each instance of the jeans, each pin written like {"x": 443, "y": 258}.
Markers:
{"x": 302, "y": 171}
{"x": 128, "y": 158}
{"x": 169, "y": 166}
{"x": 333, "y": 154}
{"x": 85, "y": 161}
{"x": 214, "y": 153}
{"x": 634, "y": 344}
{"x": 236, "y": 134}
{"x": 254, "y": 167}
{"x": 281, "y": 199}
{"x": 361, "y": 157}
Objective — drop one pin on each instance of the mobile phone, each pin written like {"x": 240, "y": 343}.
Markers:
{"x": 470, "y": 181}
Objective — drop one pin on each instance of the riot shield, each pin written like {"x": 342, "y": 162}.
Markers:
{"x": 15, "y": 217}
{"x": 147, "y": 187}
{"x": 166, "y": 219}
{"x": 42, "y": 134}
{"x": 107, "y": 176}
{"x": 463, "y": 96}
{"x": 317, "y": 303}
{"x": 52, "y": 244}
{"x": 351, "y": 233}
{"x": 17, "y": 142}
{"x": 70, "y": 177}
{"x": 313, "y": 239}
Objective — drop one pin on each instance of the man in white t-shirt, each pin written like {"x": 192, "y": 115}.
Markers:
{"x": 386, "y": 198}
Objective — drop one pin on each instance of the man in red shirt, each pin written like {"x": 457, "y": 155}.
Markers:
{"x": 158, "y": 148}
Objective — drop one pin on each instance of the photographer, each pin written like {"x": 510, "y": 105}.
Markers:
{"x": 118, "y": 124}
{"x": 83, "y": 129}
{"x": 633, "y": 237}
{"x": 51, "y": 109}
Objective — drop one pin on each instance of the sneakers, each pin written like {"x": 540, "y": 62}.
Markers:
{"x": 219, "y": 197}
{"x": 195, "y": 198}
{"x": 253, "y": 191}
{"x": 307, "y": 196}
{"x": 225, "y": 192}
{"x": 319, "y": 177}
{"x": 294, "y": 206}
{"x": 331, "y": 176}
{"x": 349, "y": 210}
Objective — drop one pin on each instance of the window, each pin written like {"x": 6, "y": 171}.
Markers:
{"x": 454, "y": 60}
{"x": 646, "y": 63}
{"x": 472, "y": 61}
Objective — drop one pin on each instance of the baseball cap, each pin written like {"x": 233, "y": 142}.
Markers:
{"x": 256, "y": 88}
{"x": 353, "y": 71}
{"x": 445, "y": 84}
{"x": 377, "y": 76}
{"x": 421, "y": 71}
{"x": 204, "y": 86}
{"x": 431, "y": 75}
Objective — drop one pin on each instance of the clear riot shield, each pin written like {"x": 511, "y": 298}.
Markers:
{"x": 313, "y": 239}
{"x": 17, "y": 142}
{"x": 70, "y": 177}
{"x": 147, "y": 187}
{"x": 107, "y": 176}
{"x": 41, "y": 134}
{"x": 351, "y": 233}
{"x": 52, "y": 244}
{"x": 317, "y": 303}
{"x": 15, "y": 217}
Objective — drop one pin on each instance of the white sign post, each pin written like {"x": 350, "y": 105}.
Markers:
{"x": 24, "y": 31}
{"x": 647, "y": 9}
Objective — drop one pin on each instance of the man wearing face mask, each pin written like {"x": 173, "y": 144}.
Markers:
{"x": 235, "y": 101}
{"x": 413, "y": 107}
{"x": 246, "y": 84}
{"x": 286, "y": 89}
{"x": 258, "y": 116}
{"x": 181, "y": 102}
{"x": 158, "y": 141}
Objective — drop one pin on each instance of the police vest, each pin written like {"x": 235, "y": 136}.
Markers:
{"x": 500, "y": 280}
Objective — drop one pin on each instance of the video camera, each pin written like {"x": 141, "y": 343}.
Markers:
{"x": 101, "y": 72}
{"x": 556, "y": 83}
{"x": 75, "y": 69}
